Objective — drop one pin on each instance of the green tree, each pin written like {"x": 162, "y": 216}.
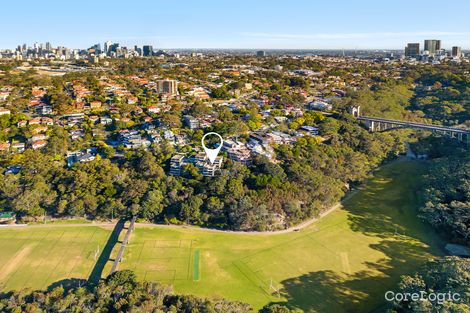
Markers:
{"x": 190, "y": 209}
{"x": 152, "y": 204}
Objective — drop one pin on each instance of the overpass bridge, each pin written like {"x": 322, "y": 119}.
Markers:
{"x": 382, "y": 124}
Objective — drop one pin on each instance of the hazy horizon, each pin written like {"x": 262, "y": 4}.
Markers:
{"x": 262, "y": 24}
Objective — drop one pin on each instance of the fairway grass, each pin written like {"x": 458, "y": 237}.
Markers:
{"x": 343, "y": 262}
{"x": 37, "y": 257}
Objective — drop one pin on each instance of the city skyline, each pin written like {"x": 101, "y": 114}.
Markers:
{"x": 47, "y": 45}
{"x": 259, "y": 25}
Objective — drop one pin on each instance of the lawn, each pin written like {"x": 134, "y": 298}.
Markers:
{"x": 341, "y": 263}
{"x": 344, "y": 262}
{"x": 37, "y": 257}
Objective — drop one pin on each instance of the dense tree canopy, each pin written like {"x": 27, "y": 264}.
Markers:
{"x": 447, "y": 196}
{"x": 443, "y": 94}
{"x": 441, "y": 276}
{"x": 307, "y": 178}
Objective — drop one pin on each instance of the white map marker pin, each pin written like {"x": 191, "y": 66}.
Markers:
{"x": 212, "y": 153}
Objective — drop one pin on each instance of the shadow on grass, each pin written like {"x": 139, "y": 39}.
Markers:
{"x": 385, "y": 209}
{"x": 329, "y": 291}
{"x": 68, "y": 283}
{"x": 105, "y": 255}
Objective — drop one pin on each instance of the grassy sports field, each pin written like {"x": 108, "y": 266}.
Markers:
{"x": 344, "y": 262}
{"x": 37, "y": 257}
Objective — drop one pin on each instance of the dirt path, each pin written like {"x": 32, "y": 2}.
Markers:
{"x": 110, "y": 224}
{"x": 103, "y": 224}
{"x": 276, "y": 232}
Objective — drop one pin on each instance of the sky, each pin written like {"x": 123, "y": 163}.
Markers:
{"x": 252, "y": 24}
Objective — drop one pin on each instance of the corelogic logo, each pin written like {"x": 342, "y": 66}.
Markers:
{"x": 438, "y": 297}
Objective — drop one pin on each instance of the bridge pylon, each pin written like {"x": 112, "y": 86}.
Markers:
{"x": 355, "y": 110}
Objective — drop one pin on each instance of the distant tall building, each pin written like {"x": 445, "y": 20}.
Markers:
{"x": 63, "y": 53}
{"x": 107, "y": 45}
{"x": 138, "y": 50}
{"x": 412, "y": 50}
{"x": 167, "y": 86}
{"x": 147, "y": 51}
{"x": 457, "y": 52}
{"x": 432, "y": 45}
{"x": 261, "y": 53}
{"x": 113, "y": 47}
{"x": 48, "y": 46}
{"x": 96, "y": 48}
